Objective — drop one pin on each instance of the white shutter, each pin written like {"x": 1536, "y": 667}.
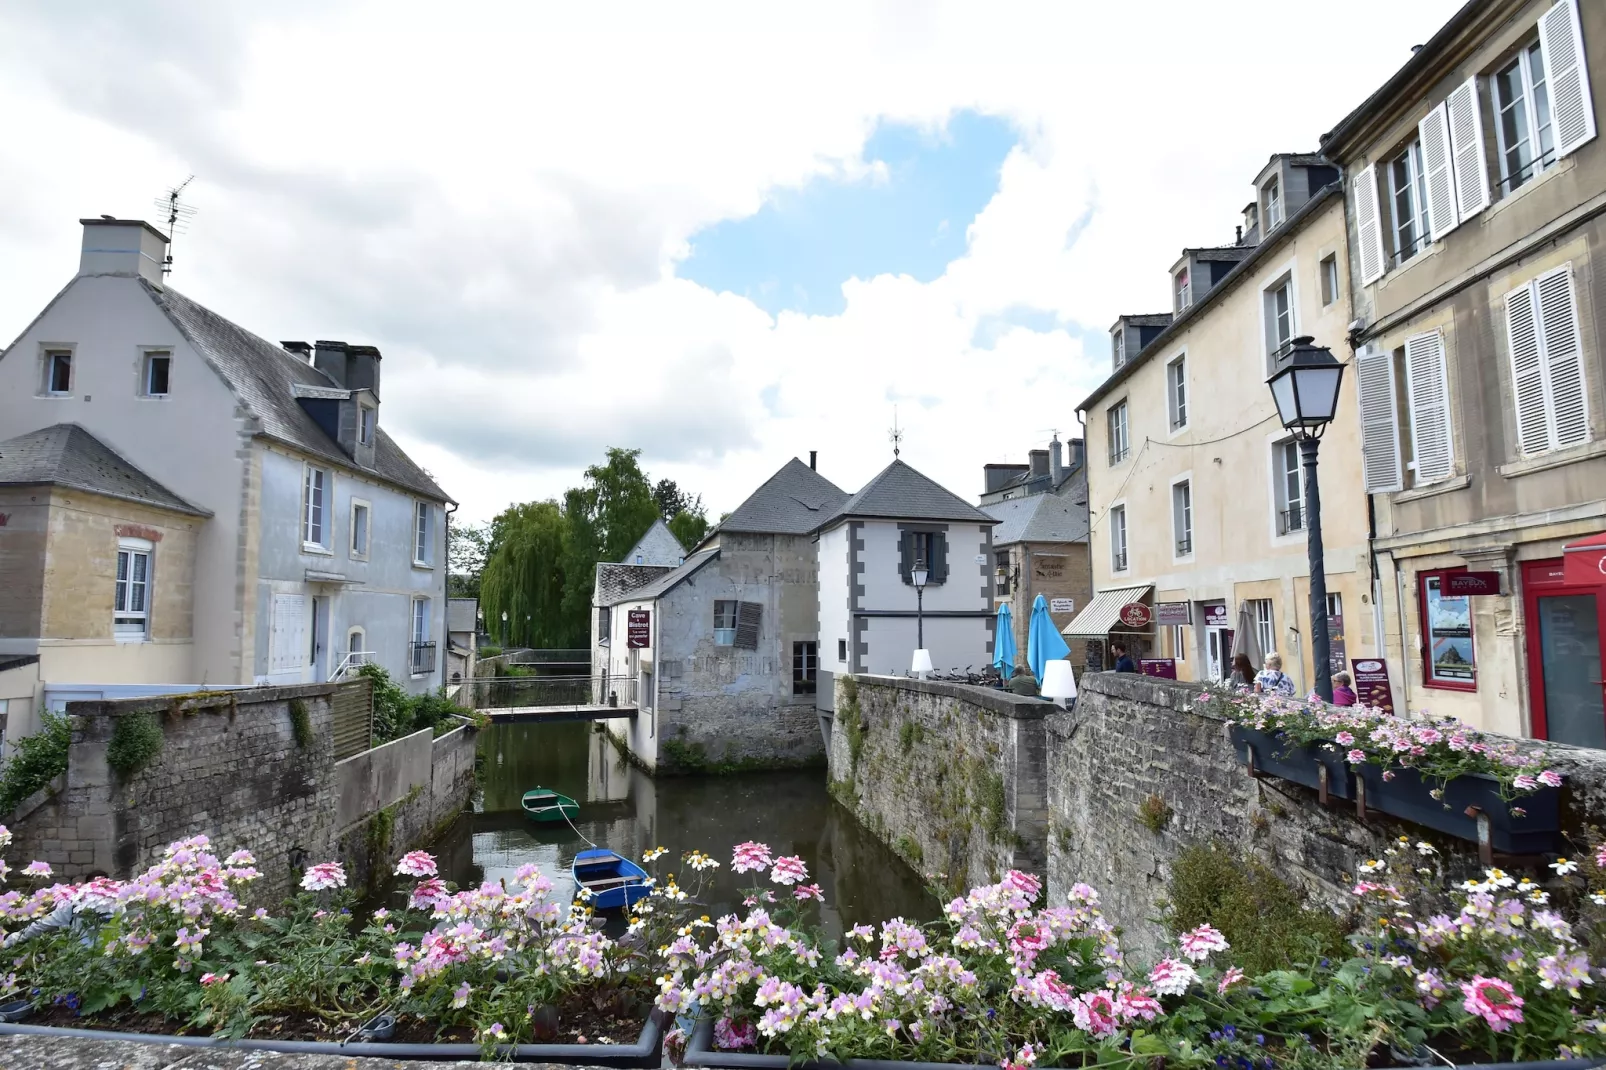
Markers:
{"x": 1428, "y": 389}
{"x": 1434, "y": 130}
{"x": 1572, "y": 109}
{"x": 1466, "y": 150}
{"x": 1380, "y": 435}
{"x": 1368, "y": 228}
{"x": 1563, "y": 357}
{"x": 1527, "y": 372}
{"x": 287, "y": 642}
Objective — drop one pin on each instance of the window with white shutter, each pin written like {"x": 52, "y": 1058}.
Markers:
{"x": 287, "y": 640}
{"x": 1380, "y": 432}
{"x": 1571, "y": 105}
{"x": 1428, "y": 393}
{"x": 1437, "y": 178}
{"x": 1368, "y": 228}
{"x": 1466, "y": 150}
{"x": 1547, "y": 371}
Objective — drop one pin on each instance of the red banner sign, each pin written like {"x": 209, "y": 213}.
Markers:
{"x": 638, "y": 629}
{"x": 1216, "y": 615}
{"x": 1372, "y": 684}
{"x": 1465, "y": 583}
{"x": 1135, "y": 615}
{"x": 1164, "y": 668}
{"x": 1584, "y": 561}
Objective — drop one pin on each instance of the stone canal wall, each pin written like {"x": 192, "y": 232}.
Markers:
{"x": 1127, "y": 781}
{"x": 251, "y": 768}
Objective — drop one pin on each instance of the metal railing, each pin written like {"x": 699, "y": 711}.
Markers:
{"x": 423, "y": 657}
{"x": 1184, "y": 547}
{"x": 1118, "y": 561}
{"x": 508, "y": 692}
{"x": 1291, "y": 519}
{"x": 350, "y": 664}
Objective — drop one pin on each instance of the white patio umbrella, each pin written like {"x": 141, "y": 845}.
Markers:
{"x": 1245, "y": 640}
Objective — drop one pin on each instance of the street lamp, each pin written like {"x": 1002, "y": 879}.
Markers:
{"x": 1305, "y": 388}
{"x": 918, "y": 574}
{"x": 504, "y": 628}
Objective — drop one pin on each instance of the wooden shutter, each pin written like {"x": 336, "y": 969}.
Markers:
{"x": 1563, "y": 357}
{"x": 1466, "y": 150}
{"x": 1368, "y": 227}
{"x": 1572, "y": 109}
{"x": 906, "y": 555}
{"x": 1380, "y": 433}
{"x": 749, "y": 615}
{"x": 287, "y": 641}
{"x": 1437, "y": 174}
{"x": 1527, "y": 371}
{"x": 939, "y": 557}
{"x": 1428, "y": 390}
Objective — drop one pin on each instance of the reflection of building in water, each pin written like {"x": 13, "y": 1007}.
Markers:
{"x": 608, "y": 775}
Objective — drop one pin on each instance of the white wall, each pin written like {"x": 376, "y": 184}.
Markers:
{"x": 835, "y": 590}
{"x": 954, "y": 642}
{"x": 883, "y": 584}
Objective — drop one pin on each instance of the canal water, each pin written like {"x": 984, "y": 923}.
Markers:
{"x": 623, "y": 809}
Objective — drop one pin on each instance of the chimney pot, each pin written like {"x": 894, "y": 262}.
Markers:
{"x": 300, "y": 349}
{"x": 1056, "y": 465}
{"x": 330, "y": 358}
{"x": 812, "y": 455}
{"x": 113, "y": 246}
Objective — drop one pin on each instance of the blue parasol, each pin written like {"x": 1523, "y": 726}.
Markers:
{"x": 1043, "y": 641}
{"x": 1004, "y": 650}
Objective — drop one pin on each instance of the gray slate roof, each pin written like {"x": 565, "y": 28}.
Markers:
{"x": 668, "y": 580}
{"x": 791, "y": 502}
{"x": 1058, "y": 517}
{"x": 614, "y": 581}
{"x": 264, "y": 377}
{"x": 899, "y": 492}
{"x": 66, "y": 455}
{"x": 658, "y": 547}
{"x": 462, "y": 615}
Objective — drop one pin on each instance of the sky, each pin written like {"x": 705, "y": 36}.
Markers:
{"x": 725, "y": 234}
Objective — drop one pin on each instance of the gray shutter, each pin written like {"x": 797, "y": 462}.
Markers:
{"x": 1434, "y": 130}
{"x": 1428, "y": 392}
{"x": 939, "y": 554}
{"x": 1572, "y": 108}
{"x": 1368, "y": 227}
{"x": 749, "y": 615}
{"x": 1380, "y": 433}
{"x": 1527, "y": 371}
{"x": 1564, "y": 368}
{"x": 1466, "y": 150}
{"x": 906, "y": 555}
{"x": 603, "y": 617}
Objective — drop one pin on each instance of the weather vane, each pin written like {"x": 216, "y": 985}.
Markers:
{"x": 895, "y": 434}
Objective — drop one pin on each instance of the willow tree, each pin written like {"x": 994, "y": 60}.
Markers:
{"x": 524, "y": 578}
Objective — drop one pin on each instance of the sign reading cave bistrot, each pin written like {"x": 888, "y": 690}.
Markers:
{"x": 638, "y": 629}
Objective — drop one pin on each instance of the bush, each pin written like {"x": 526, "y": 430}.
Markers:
{"x": 1259, "y": 914}
{"x": 398, "y": 714}
{"x": 38, "y": 759}
{"x": 136, "y": 740}
{"x": 489, "y": 651}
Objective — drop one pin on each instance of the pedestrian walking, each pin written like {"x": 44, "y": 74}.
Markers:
{"x": 1123, "y": 660}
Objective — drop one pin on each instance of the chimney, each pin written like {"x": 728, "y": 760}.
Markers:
{"x": 300, "y": 350}
{"x": 1078, "y": 453}
{"x": 1056, "y": 468}
{"x": 362, "y": 369}
{"x": 1039, "y": 462}
{"x": 130, "y": 247}
{"x": 330, "y": 358}
{"x": 813, "y": 454}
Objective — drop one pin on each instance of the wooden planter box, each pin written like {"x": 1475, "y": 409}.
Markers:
{"x": 1408, "y": 796}
{"x": 1301, "y": 764}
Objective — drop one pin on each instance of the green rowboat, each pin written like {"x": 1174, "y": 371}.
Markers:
{"x": 544, "y": 804}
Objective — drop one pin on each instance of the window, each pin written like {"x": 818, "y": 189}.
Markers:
{"x": 1115, "y": 427}
{"x": 359, "y": 529}
{"x": 927, "y": 549}
{"x": 315, "y": 509}
{"x": 1523, "y": 131}
{"x": 1380, "y": 435}
{"x": 1182, "y": 516}
{"x": 604, "y": 625}
{"x": 356, "y": 647}
{"x": 1002, "y": 567}
{"x": 1176, "y": 380}
{"x": 1408, "y": 203}
{"x": 1547, "y": 371}
{"x": 1119, "y": 347}
{"x": 1279, "y": 312}
{"x": 1265, "y": 632}
{"x": 157, "y": 372}
{"x": 1329, "y": 273}
{"x": 1335, "y": 605}
{"x": 1274, "y": 203}
{"x": 1427, "y": 389}
{"x": 1184, "y": 291}
{"x": 724, "y": 623}
{"x": 842, "y": 650}
{"x": 423, "y": 532}
{"x": 1118, "y": 538}
{"x": 1290, "y": 487}
{"x": 1449, "y": 660}
{"x": 1178, "y": 634}
{"x": 805, "y": 667}
{"x": 58, "y": 372}
{"x": 423, "y": 659}
{"x": 131, "y": 600}
{"x": 365, "y": 425}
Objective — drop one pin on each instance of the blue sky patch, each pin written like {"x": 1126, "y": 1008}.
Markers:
{"x": 803, "y": 244}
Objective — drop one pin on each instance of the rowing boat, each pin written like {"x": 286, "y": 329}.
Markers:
{"x": 544, "y": 804}
{"x": 613, "y": 880}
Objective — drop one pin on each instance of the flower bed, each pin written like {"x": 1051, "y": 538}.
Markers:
{"x": 1302, "y": 764}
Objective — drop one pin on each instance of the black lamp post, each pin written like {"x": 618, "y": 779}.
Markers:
{"x": 1305, "y": 388}
{"x": 918, "y": 575}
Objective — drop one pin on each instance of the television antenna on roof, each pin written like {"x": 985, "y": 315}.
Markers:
{"x": 179, "y": 215}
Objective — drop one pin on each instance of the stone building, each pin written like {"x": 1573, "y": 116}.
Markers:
{"x": 1195, "y": 491}
{"x": 1040, "y": 546}
{"x": 1475, "y": 181}
{"x": 310, "y": 535}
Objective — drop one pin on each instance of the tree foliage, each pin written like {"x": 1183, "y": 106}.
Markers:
{"x": 689, "y": 528}
{"x": 469, "y": 549}
{"x": 526, "y": 579}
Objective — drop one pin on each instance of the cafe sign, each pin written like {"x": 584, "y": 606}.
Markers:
{"x": 1135, "y": 615}
{"x": 638, "y": 629}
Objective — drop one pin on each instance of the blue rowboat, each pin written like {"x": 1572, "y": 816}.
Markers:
{"x": 613, "y": 880}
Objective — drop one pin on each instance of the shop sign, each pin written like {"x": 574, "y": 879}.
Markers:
{"x": 1135, "y": 615}
{"x": 638, "y": 629}
{"x": 1215, "y": 615}
{"x": 1062, "y": 605}
{"x": 1465, "y": 583}
{"x": 1585, "y": 561}
{"x": 1372, "y": 684}
{"x": 1174, "y": 613}
{"x": 1164, "y": 668}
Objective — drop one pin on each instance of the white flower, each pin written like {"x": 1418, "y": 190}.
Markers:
{"x": 1423, "y": 847}
{"x": 1564, "y": 867}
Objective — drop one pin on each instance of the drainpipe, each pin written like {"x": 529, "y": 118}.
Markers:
{"x": 445, "y": 646}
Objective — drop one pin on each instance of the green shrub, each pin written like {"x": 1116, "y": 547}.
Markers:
{"x": 300, "y": 723}
{"x": 37, "y": 760}
{"x": 1153, "y": 812}
{"x": 1263, "y": 919}
{"x": 136, "y": 740}
{"x": 489, "y": 651}
{"x": 398, "y": 714}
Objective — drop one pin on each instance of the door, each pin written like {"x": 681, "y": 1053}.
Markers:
{"x": 320, "y": 639}
{"x": 1566, "y": 625}
{"x": 1218, "y": 651}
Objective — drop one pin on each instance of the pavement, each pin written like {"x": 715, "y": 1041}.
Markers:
{"x": 72, "y": 1053}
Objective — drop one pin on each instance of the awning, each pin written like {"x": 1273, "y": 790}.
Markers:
{"x": 1584, "y": 560}
{"x": 1103, "y": 613}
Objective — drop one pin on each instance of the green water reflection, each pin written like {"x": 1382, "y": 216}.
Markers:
{"x": 630, "y": 812}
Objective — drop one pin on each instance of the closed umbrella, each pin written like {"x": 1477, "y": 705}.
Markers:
{"x": 1004, "y": 650}
{"x": 1246, "y": 640}
{"x": 1043, "y": 641}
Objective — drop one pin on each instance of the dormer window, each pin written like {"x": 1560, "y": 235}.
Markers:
{"x": 1274, "y": 203}
{"x": 1184, "y": 291}
{"x": 1120, "y": 348}
{"x": 365, "y": 425}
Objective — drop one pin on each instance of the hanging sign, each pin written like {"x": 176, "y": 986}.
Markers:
{"x": 1062, "y": 605}
{"x": 1174, "y": 613}
{"x": 1164, "y": 668}
{"x": 1372, "y": 684}
{"x": 1584, "y": 561}
{"x": 638, "y": 629}
{"x": 1465, "y": 583}
{"x": 1135, "y": 615}
{"x": 1216, "y": 615}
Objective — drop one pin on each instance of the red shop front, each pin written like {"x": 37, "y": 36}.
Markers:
{"x": 1564, "y": 601}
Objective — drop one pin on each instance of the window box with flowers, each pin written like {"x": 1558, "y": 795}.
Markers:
{"x": 1517, "y": 826}
{"x": 1301, "y": 763}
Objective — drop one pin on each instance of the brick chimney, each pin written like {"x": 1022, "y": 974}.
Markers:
{"x": 1056, "y": 466}
{"x": 129, "y": 247}
{"x": 330, "y": 358}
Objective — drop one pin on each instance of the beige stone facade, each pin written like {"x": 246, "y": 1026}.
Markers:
{"x": 1051, "y": 569}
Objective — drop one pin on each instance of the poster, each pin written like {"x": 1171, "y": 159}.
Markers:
{"x": 1336, "y": 659}
{"x": 1164, "y": 668}
{"x": 1372, "y": 684}
{"x": 1447, "y": 620}
{"x": 638, "y": 629}
{"x": 1062, "y": 605}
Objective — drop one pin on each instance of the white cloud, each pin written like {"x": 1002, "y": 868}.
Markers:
{"x": 497, "y": 197}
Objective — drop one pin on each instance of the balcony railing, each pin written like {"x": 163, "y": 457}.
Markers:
{"x": 1291, "y": 519}
{"x": 1118, "y": 561}
{"x": 1184, "y": 547}
{"x": 423, "y": 659}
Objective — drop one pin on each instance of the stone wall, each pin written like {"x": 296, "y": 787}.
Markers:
{"x": 230, "y": 766}
{"x": 951, "y": 776}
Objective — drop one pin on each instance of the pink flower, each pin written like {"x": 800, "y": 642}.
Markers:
{"x": 1493, "y": 1000}
{"x": 323, "y": 876}
{"x": 210, "y": 979}
{"x": 788, "y": 870}
{"x": 1600, "y": 856}
{"x": 37, "y": 869}
{"x": 1524, "y": 782}
{"x": 1171, "y": 977}
{"x": 1550, "y": 778}
{"x": 734, "y": 1036}
{"x": 1228, "y": 979}
{"x": 1025, "y": 1058}
{"x": 750, "y": 856}
{"x": 1199, "y": 944}
{"x": 1095, "y": 1013}
{"x": 416, "y": 864}
{"x": 1344, "y": 739}
{"x": 809, "y": 891}
{"x": 430, "y": 894}
{"x": 1355, "y": 757}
